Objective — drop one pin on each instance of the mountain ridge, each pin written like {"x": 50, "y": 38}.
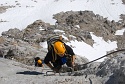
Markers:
{"x": 23, "y": 45}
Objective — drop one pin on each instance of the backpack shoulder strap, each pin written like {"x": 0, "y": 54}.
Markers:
{"x": 50, "y": 41}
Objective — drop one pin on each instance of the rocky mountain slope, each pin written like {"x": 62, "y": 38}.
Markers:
{"x": 21, "y": 46}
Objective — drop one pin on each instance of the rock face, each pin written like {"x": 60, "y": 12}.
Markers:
{"x": 3, "y": 8}
{"x": 87, "y": 22}
{"x": 24, "y": 45}
{"x": 74, "y": 25}
{"x": 123, "y": 1}
{"x": 113, "y": 69}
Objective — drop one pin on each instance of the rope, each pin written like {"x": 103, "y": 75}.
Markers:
{"x": 104, "y": 56}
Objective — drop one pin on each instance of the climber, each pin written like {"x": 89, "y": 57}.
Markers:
{"x": 38, "y": 62}
{"x": 58, "y": 55}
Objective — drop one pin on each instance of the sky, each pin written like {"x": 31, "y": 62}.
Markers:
{"x": 24, "y": 12}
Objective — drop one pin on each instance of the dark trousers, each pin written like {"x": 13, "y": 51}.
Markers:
{"x": 58, "y": 64}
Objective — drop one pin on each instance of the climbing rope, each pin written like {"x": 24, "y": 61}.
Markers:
{"x": 103, "y": 56}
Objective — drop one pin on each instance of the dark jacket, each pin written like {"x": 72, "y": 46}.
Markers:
{"x": 52, "y": 57}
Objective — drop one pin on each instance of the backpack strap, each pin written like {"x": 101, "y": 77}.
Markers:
{"x": 54, "y": 55}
